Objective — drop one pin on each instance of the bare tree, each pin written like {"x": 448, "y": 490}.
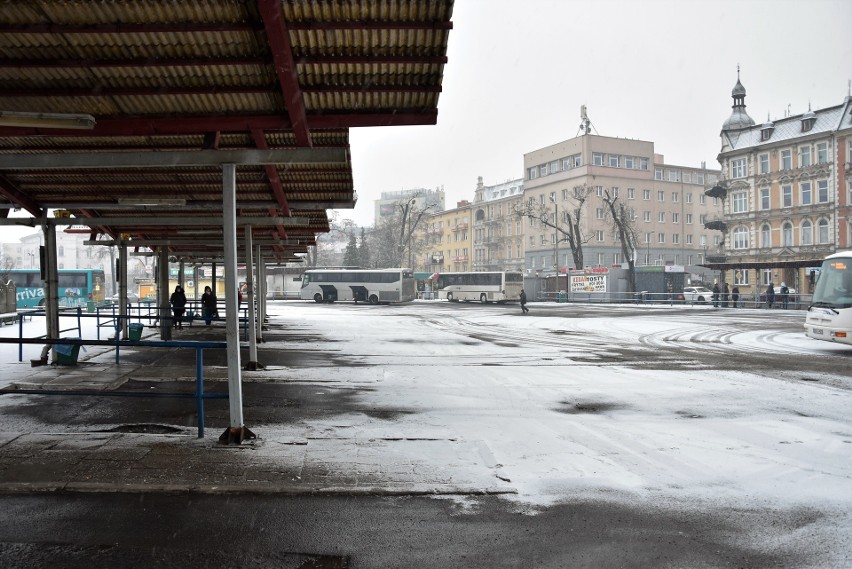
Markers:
{"x": 567, "y": 225}
{"x": 622, "y": 218}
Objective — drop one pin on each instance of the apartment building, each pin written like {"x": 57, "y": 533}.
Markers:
{"x": 786, "y": 190}
{"x": 421, "y": 198}
{"x": 498, "y": 239}
{"x": 567, "y": 181}
{"x": 447, "y": 240}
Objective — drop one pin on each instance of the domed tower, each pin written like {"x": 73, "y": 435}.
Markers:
{"x": 739, "y": 117}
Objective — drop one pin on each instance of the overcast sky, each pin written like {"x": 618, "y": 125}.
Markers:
{"x": 657, "y": 70}
{"x": 654, "y": 70}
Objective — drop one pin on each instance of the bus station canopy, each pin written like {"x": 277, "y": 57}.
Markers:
{"x": 121, "y": 114}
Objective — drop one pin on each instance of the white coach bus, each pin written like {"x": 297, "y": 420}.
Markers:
{"x": 829, "y": 316}
{"x": 493, "y": 286}
{"x": 365, "y": 285}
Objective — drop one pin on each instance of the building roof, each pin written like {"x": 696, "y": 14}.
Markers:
{"x": 277, "y": 83}
{"x": 788, "y": 128}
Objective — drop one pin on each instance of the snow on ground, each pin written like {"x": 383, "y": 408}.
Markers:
{"x": 553, "y": 409}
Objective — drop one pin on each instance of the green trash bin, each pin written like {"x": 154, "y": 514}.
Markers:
{"x": 135, "y": 331}
{"x": 90, "y": 306}
{"x": 66, "y": 354}
{"x": 562, "y": 296}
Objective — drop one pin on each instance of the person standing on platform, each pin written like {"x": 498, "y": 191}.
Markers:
{"x": 178, "y": 302}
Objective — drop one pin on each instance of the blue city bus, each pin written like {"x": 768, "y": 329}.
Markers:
{"x": 76, "y": 286}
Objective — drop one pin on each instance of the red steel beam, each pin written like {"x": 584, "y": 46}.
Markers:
{"x": 100, "y": 91}
{"x": 278, "y": 38}
{"x": 17, "y": 197}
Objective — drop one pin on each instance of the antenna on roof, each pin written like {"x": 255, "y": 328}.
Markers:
{"x": 585, "y": 123}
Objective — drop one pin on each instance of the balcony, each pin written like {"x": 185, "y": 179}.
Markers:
{"x": 461, "y": 227}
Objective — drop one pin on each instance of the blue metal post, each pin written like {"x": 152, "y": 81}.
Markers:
{"x": 199, "y": 389}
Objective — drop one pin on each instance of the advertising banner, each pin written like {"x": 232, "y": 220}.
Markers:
{"x": 588, "y": 283}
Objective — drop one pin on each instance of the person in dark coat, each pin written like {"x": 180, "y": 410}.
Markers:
{"x": 725, "y": 293}
{"x": 524, "y": 308}
{"x": 716, "y": 294}
{"x": 735, "y": 295}
{"x": 178, "y": 302}
{"x": 785, "y": 296}
{"x": 208, "y": 305}
{"x": 770, "y": 295}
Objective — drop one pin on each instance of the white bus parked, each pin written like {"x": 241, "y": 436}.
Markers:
{"x": 366, "y": 285}
{"x": 493, "y": 286}
{"x": 829, "y": 316}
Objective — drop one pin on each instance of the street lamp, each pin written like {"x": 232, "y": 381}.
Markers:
{"x": 556, "y": 239}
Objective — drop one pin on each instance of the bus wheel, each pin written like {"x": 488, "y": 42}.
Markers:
{"x": 317, "y": 298}
{"x": 449, "y": 297}
{"x": 483, "y": 299}
{"x": 374, "y": 299}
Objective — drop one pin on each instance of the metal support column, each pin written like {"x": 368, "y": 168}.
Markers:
{"x": 260, "y": 294}
{"x": 163, "y": 294}
{"x": 237, "y": 431}
{"x": 51, "y": 291}
{"x": 122, "y": 288}
{"x": 251, "y": 365}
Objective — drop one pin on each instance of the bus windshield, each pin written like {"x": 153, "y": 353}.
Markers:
{"x": 834, "y": 287}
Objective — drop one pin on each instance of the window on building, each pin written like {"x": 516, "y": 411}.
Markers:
{"x": 702, "y": 219}
{"x": 646, "y": 216}
{"x": 786, "y": 159}
{"x": 765, "y": 276}
{"x": 741, "y": 237}
{"x": 807, "y": 193}
{"x": 533, "y": 173}
{"x": 787, "y": 195}
{"x": 643, "y": 163}
{"x": 599, "y": 191}
{"x": 554, "y": 166}
{"x": 661, "y": 217}
{"x": 543, "y": 169}
{"x": 552, "y": 238}
{"x": 741, "y": 277}
{"x": 807, "y": 233}
{"x": 599, "y": 213}
{"x": 661, "y": 196}
{"x": 822, "y": 152}
{"x": 631, "y": 193}
{"x": 701, "y": 199}
{"x": 613, "y": 191}
{"x": 614, "y": 160}
{"x": 628, "y": 162}
{"x": 543, "y": 240}
{"x": 687, "y": 178}
{"x": 675, "y": 217}
{"x": 739, "y": 203}
{"x": 787, "y": 234}
{"x": 564, "y": 194}
{"x": 688, "y": 220}
{"x": 578, "y": 160}
{"x": 675, "y": 238}
{"x": 599, "y": 234}
{"x": 566, "y": 163}
{"x": 532, "y": 241}
{"x": 673, "y": 175}
{"x": 675, "y": 197}
{"x": 648, "y": 236}
{"x": 822, "y": 191}
{"x": 646, "y": 195}
{"x": 822, "y": 232}
{"x": 689, "y": 241}
{"x": 764, "y": 198}
{"x": 738, "y": 168}
{"x": 597, "y": 159}
{"x": 658, "y": 173}
{"x": 661, "y": 237}
{"x": 764, "y": 163}
{"x": 699, "y": 178}
{"x": 689, "y": 197}
{"x": 765, "y": 235}
{"x": 805, "y": 156}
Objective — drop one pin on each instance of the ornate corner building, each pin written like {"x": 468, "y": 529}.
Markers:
{"x": 786, "y": 188}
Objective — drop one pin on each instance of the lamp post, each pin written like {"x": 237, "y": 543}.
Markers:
{"x": 556, "y": 240}
{"x": 408, "y": 212}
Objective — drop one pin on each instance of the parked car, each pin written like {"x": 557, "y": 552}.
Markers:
{"x": 132, "y": 298}
{"x": 697, "y": 294}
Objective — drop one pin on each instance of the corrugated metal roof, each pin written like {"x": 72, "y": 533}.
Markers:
{"x": 188, "y": 75}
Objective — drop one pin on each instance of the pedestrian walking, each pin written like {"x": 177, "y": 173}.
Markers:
{"x": 715, "y": 294}
{"x": 785, "y": 295}
{"x": 770, "y": 295}
{"x": 735, "y": 295}
{"x": 178, "y": 302}
{"x": 524, "y": 308}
